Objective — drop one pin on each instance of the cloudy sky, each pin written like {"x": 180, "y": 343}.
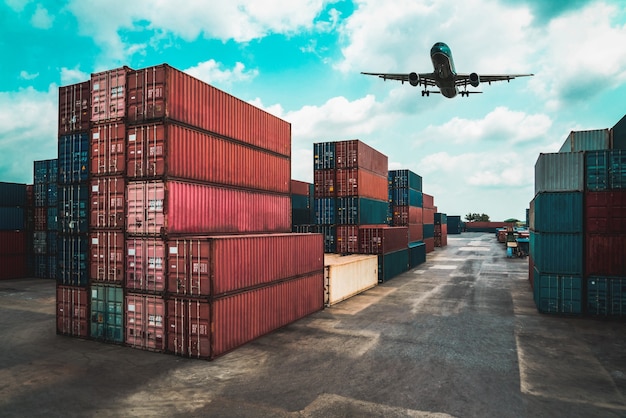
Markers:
{"x": 301, "y": 60}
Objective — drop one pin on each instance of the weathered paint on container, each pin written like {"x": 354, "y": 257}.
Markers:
{"x": 325, "y": 183}
{"x": 108, "y": 149}
{"x": 361, "y": 183}
{"x": 106, "y": 249}
{"x": 559, "y": 253}
{"x": 73, "y": 158}
{"x": 72, "y": 311}
{"x": 324, "y": 155}
{"x": 146, "y": 264}
{"x": 169, "y": 150}
{"x": 560, "y": 172}
{"x": 404, "y": 179}
{"x": 382, "y": 240}
{"x": 558, "y": 293}
{"x": 349, "y": 275}
{"x": 74, "y": 108}
{"x": 557, "y": 212}
{"x": 429, "y": 230}
{"x": 165, "y": 93}
{"x": 361, "y": 210}
{"x": 604, "y": 255}
{"x": 605, "y": 170}
{"x": 108, "y": 95}
{"x": 12, "y": 194}
{"x": 145, "y": 322}
{"x": 204, "y": 328}
{"x": 392, "y": 264}
{"x": 357, "y": 154}
{"x": 597, "y": 139}
{"x": 12, "y": 218}
{"x": 347, "y": 239}
{"x": 212, "y": 266}
{"x": 73, "y": 208}
{"x": 177, "y": 207}
{"x": 325, "y": 211}
{"x": 107, "y": 313}
{"x": 417, "y": 254}
{"x": 605, "y": 212}
{"x": 73, "y": 254}
{"x": 13, "y": 266}
{"x": 606, "y": 296}
{"x": 107, "y": 200}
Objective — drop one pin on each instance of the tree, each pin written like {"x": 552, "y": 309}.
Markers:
{"x": 475, "y": 217}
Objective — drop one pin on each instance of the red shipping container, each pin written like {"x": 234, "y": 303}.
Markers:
{"x": 347, "y": 239}
{"x": 416, "y": 232}
{"x": 428, "y": 202}
{"x": 441, "y": 235}
{"x": 72, "y": 311}
{"x": 605, "y": 212}
{"x": 604, "y": 255}
{"x": 41, "y": 218}
{"x": 428, "y": 216}
{"x": 176, "y": 207}
{"x": 361, "y": 183}
{"x": 204, "y": 266}
{"x": 430, "y": 244}
{"x": 107, "y": 202}
{"x": 168, "y": 150}
{"x": 107, "y": 256}
{"x": 324, "y": 183}
{"x": 108, "y": 95}
{"x": 12, "y": 242}
{"x": 13, "y": 266}
{"x": 226, "y": 323}
{"x": 300, "y": 188}
{"x": 108, "y": 149}
{"x": 163, "y": 92}
{"x": 145, "y": 322}
{"x": 382, "y": 240}
{"x": 145, "y": 264}
{"x": 356, "y": 154}
{"x": 407, "y": 215}
{"x": 74, "y": 108}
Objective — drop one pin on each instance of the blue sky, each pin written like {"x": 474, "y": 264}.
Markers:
{"x": 301, "y": 61}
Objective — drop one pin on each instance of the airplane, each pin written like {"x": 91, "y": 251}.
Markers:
{"x": 445, "y": 76}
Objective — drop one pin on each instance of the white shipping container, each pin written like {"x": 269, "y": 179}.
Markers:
{"x": 348, "y": 275}
{"x": 598, "y": 139}
{"x": 560, "y": 172}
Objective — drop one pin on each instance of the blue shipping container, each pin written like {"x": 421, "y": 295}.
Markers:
{"x": 429, "y": 230}
{"x": 454, "y": 225}
{"x": 53, "y": 194}
{"x": 325, "y": 211}
{"x": 557, "y": 212}
{"x": 417, "y": 253}
{"x": 441, "y": 219}
{"x": 12, "y": 194}
{"x": 73, "y": 158}
{"x": 605, "y": 170}
{"x": 73, "y": 208}
{"x": 52, "y": 268}
{"x": 557, "y": 253}
{"x": 52, "y": 218}
{"x": 11, "y": 218}
{"x": 561, "y": 294}
{"x": 323, "y": 155}
{"x": 404, "y": 179}
{"x": 392, "y": 264}
{"x": 361, "y": 211}
{"x": 329, "y": 232}
{"x": 107, "y": 313}
{"x": 406, "y": 197}
{"x": 606, "y": 296}
{"x": 72, "y": 256}
{"x": 40, "y": 171}
{"x": 41, "y": 266}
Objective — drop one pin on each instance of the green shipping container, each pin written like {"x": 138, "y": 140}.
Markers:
{"x": 606, "y": 296}
{"x": 417, "y": 253}
{"x": 392, "y": 264}
{"x": 107, "y": 313}
{"x": 559, "y": 294}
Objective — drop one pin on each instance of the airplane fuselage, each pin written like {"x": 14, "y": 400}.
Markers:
{"x": 445, "y": 74}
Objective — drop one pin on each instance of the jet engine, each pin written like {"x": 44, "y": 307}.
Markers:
{"x": 474, "y": 79}
{"x": 414, "y": 79}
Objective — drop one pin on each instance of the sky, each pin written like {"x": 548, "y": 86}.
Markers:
{"x": 301, "y": 61}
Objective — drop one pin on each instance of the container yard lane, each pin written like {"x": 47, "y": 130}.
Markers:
{"x": 457, "y": 336}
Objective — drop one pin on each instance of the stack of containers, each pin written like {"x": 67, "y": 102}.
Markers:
{"x": 455, "y": 226}
{"x": 441, "y": 229}
{"x": 302, "y": 212}
{"x": 45, "y": 218}
{"x": 428, "y": 220}
{"x": 13, "y": 236}
{"x": 73, "y": 210}
{"x": 406, "y": 201}
{"x": 107, "y": 204}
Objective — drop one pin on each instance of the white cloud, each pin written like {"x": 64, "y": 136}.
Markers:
{"x": 211, "y": 72}
{"x": 41, "y": 18}
{"x": 25, "y": 75}
{"x": 17, "y": 5}
{"x": 73, "y": 76}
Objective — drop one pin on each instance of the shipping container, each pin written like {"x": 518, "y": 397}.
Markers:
{"x": 52, "y": 267}
{"x": 407, "y": 215}
{"x": 12, "y": 194}
{"x": 325, "y": 183}
{"x": 428, "y": 201}
{"x": 72, "y": 260}
{"x": 325, "y": 211}
{"x": 74, "y": 108}
{"x": 324, "y": 156}
{"x": 53, "y": 171}
{"x": 107, "y": 149}
{"x": 40, "y": 218}
{"x": 430, "y": 245}
{"x": 417, "y": 254}
{"x": 302, "y": 216}
{"x": 301, "y": 188}
{"x": 73, "y": 158}
{"x": 45, "y": 171}
{"x": 605, "y": 170}
{"x": 429, "y": 230}
{"x": 361, "y": 211}
{"x": 347, "y": 239}
{"x": 13, "y": 266}
{"x": 53, "y": 241}
{"x": 145, "y": 322}
{"x": 441, "y": 219}
{"x": 480, "y": 226}
{"x": 211, "y": 266}
{"x": 605, "y": 212}
{"x": 329, "y": 233}
{"x": 13, "y": 242}
{"x": 441, "y": 235}
{"x": 12, "y": 218}
{"x": 454, "y": 225}
{"x": 618, "y": 134}
{"x": 106, "y": 249}
{"x": 604, "y": 255}
{"x": 73, "y": 215}
{"x": 146, "y": 262}
{"x": 168, "y": 150}
{"x": 165, "y": 93}
{"x": 606, "y": 296}
{"x": 416, "y": 232}
{"x": 40, "y": 242}
{"x": 406, "y": 197}
{"x": 72, "y": 311}
{"x": 41, "y": 194}
{"x": 176, "y": 207}
{"x": 382, "y": 240}
{"x": 557, "y": 212}
{"x": 598, "y": 139}
{"x": 560, "y": 253}
{"x": 361, "y": 183}
{"x": 558, "y": 293}
{"x": 560, "y": 172}
{"x": 348, "y": 275}
{"x": 428, "y": 215}
{"x": 392, "y": 264}
{"x": 210, "y": 328}
{"x": 108, "y": 203}
{"x": 356, "y": 154}
{"x": 300, "y": 202}
{"x": 40, "y": 267}
{"x": 53, "y": 194}
{"x": 108, "y": 95}
{"x": 107, "y": 313}
{"x": 404, "y": 179}
{"x": 52, "y": 218}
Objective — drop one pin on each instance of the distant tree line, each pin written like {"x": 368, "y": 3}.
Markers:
{"x": 477, "y": 217}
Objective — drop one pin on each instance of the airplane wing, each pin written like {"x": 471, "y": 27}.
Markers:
{"x": 464, "y": 79}
{"x": 425, "y": 79}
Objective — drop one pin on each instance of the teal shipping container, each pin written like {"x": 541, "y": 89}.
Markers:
{"x": 429, "y": 230}
{"x": 441, "y": 218}
{"x": 11, "y": 218}
{"x": 455, "y": 226}
{"x": 392, "y": 264}
{"x": 605, "y": 170}
{"x": 560, "y": 172}
{"x": 404, "y": 179}
{"x": 618, "y": 134}
{"x": 417, "y": 253}
{"x": 406, "y": 197}
{"x": 597, "y": 139}
{"x": 558, "y": 253}
{"x": 107, "y": 313}
{"x": 361, "y": 211}
{"x": 559, "y": 294}
{"x": 12, "y": 194}
{"x": 557, "y": 212}
{"x": 606, "y": 296}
